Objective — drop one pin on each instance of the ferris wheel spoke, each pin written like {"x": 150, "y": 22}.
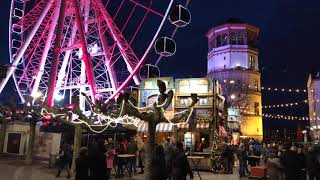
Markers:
{"x": 147, "y": 8}
{"x": 85, "y": 56}
{"x": 127, "y": 53}
{"x": 25, "y": 45}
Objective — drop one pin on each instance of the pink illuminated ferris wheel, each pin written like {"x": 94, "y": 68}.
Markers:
{"x": 62, "y": 48}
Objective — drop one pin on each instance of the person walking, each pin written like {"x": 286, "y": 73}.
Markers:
{"x": 65, "y": 159}
{"x": 302, "y": 164}
{"x": 180, "y": 164}
{"x": 97, "y": 161}
{"x": 132, "y": 161}
{"x": 290, "y": 161}
{"x": 82, "y": 166}
{"x": 312, "y": 164}
{"x": 141, "y": 153}
{"x": 242, "y": 157}
{"x": 159, "y": 164}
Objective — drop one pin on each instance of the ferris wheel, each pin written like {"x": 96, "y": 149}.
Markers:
{"x": 62, "y": 48}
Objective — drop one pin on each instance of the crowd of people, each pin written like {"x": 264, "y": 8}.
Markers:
{"x": 97, "y": 160}
{"x": 282, "y": 160}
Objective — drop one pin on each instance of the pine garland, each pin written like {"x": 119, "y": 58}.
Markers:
{"x": 216, "y": 159}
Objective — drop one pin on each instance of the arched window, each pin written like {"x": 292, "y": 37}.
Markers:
{"x": 224, "y": 39}
{"x": 240, "y": 38}
{"x": 218, "y": 41}
{"x": 233, "y": 38}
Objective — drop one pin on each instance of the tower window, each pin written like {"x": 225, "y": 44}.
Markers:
{"x": 252, "y": 62}
{"x": 256, "y": 108}
{"x": 218, "y": 41}
{"x": 240, "y": 38}
{"x": 233, "y": 38}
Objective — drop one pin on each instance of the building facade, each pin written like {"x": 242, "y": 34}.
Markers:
{"x": 314, "y": 105}
{"x": 209, "y": 95}
{"x": 233, "y": 60}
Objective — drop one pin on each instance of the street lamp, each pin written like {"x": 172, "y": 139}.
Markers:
{"x": 233, "y": 96}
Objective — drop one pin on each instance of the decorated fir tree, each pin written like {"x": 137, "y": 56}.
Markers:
{"x": 216, "y": 160}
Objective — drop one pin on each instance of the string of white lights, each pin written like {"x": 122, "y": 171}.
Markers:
{"x": 291, "y": 90}
{"x": 304, "y": 102}
{"x": 288, "y": 117}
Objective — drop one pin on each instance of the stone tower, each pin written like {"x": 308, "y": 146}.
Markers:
{"x": 233, "y": 60}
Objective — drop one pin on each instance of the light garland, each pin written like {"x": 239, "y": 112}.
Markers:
{"x": 106, "y": 121}
{"x": 277, "y": 105}
{"x": 293, "y": 90}
{"x": 287, "y": 117}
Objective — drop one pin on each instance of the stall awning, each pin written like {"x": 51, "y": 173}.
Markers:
{"x": 161, "y": 127}
{"x": 198, "y": 126}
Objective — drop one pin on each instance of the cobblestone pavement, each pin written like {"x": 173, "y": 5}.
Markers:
{"x": 15, "y": 170}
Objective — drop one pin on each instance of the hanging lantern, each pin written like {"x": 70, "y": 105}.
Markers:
{"x": 180, "y": 16}
{"x": 165, "y": 46}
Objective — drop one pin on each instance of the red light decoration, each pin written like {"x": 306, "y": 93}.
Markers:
{"x": 47, "y": 116}
{"x": 70, "y": 106}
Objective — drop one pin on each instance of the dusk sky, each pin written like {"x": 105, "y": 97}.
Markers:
{"x": 288, "y": 43}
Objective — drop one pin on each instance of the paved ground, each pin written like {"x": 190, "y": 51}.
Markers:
{"x": 15, "y": 170}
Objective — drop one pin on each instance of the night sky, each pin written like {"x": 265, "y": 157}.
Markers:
{"x": 288, "y": 43}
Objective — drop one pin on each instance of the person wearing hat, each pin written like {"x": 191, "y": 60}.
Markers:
{"x": 202, "y": 145}
{"x": 82, "y": 165}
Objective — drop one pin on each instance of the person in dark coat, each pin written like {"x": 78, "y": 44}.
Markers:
{"x": 312, "y": 164}
{"x": 97, "y": 160}
{"x": 180, "y": 164}
{"x": 158, "y": 164}
{"x": 120, "y": 149}
{"x": 242, "y": 157}
{"x": 226, "y": 153}
{"x": 65, "y": 159}
{"x": 82, "y": 166}
{"x": 290, "y": 161}
{"x": 132, "y": 161}
{"x": 302, "y": 164}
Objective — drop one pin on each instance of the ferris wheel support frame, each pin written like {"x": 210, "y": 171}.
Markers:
{"x": 23, "y": 48}
{"x": 46, "y": 48}
{"x": 55, "y": 59}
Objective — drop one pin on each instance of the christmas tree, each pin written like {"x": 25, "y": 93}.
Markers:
{"x": 216, "y": 160}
